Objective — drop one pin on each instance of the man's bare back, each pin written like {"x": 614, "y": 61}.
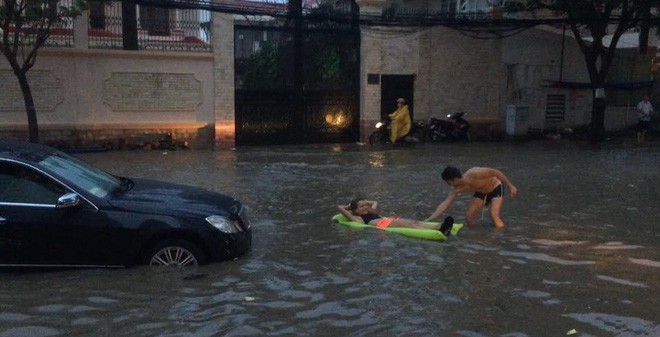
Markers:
{"x": 477, "y": 179}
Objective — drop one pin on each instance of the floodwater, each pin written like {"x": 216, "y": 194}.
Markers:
{"x": 580, "y": 251}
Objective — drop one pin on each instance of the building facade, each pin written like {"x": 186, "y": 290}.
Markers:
{"x": 180, "y": 81}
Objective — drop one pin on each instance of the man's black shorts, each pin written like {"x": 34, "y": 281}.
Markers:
{"x": 495, "y": 193}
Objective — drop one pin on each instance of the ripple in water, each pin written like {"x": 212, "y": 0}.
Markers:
{"x": 645, "y": 262}
{"x": 617, "y": 246}
{"x": 619, "y": 326}
{"x": 621, "y": 281}
{"x": 30, "y": 331}
{"x": 546, "y": 258}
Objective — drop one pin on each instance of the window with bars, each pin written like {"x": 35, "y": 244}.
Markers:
{"x": 555, "y": 108}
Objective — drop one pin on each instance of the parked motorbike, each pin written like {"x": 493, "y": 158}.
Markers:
{"x": 454, "y": 128}
{"x": 417, "y": 134}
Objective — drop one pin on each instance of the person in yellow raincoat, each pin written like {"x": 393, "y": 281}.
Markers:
{"x": 400, "y": 121}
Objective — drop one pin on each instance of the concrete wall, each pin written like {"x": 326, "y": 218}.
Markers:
{"x": 106, "y": 89}
{"x": 115, "y": 96}
{"x": 454, "y": 72}
{"x": 464, "y": 75}
{"x": 532, "y": 60}
{"x": 385, "y": 53}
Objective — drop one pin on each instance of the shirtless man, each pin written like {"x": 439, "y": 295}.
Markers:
{"x": 486, "y": 183}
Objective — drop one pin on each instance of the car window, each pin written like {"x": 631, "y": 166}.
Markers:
{"x": 21, "y": 184}
{"x": 91, "y": 179}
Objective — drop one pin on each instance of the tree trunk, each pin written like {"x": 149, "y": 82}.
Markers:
{"x": 33, "y": 127}
{"x": 597, "y": 78}
{"x": 598, "y": 118}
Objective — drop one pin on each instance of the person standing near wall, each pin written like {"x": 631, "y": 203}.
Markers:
{"x": 644, "y": 110}
{"x": 400, "y": 121}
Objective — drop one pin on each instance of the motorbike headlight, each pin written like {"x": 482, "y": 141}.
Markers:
{"x": 449, "y": 116}
{"x": 224, "y": 224}
{"x": 378, "y": 125}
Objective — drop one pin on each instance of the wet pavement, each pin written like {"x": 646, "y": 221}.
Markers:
{"x": 580, "y": 251}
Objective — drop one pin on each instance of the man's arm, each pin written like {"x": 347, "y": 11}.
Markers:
{"x": 443, "y": 205}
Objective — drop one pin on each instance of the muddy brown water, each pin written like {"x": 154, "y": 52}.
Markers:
{"x": 580, "y": 250}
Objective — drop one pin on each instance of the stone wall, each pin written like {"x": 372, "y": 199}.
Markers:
{"x": 81, "y": 93}
{"x": 154, "y": 136}
{"x": 105, "y": 87}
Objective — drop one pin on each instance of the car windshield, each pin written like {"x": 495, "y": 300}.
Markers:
{"x": 85, "y": 176}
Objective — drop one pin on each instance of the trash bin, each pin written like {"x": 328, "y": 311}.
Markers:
{"x": 515, "y": 120}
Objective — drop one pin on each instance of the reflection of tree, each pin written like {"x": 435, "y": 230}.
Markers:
{"x": 264, "y": 68}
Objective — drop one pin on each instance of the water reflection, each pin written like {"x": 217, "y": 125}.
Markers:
{"x": 579, "y": 240}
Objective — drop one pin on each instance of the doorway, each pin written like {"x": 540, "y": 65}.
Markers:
{"x": 393, "y": 87}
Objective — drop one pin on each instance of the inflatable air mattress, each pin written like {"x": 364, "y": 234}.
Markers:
{"x": 427, "y": 234}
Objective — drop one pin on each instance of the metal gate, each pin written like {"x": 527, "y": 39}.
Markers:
{"x": 296, "y": 84}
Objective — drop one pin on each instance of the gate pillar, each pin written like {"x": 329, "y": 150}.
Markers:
{"x": 223, "y": 80}
{"x": 370, "y": 70}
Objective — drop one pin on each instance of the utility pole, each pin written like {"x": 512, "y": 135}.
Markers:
{"x": 129, "y": 25}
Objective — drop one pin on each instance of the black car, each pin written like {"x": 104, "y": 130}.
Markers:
{"x": 58, "y": 211}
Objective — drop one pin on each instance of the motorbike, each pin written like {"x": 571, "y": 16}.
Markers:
{"x": 417, "y": 134}
{"x": 454, "y": 128}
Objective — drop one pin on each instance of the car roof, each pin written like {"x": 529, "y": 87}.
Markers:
{"x": 24, "y": 151}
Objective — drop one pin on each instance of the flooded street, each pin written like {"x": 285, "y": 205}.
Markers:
{"x": 581, "y": 249}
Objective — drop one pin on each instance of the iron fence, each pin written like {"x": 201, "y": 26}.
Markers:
{"x": 296, "y": 87}
{"x": 60, "y": 32}
{"x": 155, "y": 28}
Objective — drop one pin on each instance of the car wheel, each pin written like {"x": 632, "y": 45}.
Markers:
{"x": 175, "y": 253}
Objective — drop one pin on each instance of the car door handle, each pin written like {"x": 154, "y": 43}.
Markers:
{"x": 3, "y": 221}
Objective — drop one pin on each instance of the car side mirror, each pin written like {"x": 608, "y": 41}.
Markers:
{"x": 68, "y": 200}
